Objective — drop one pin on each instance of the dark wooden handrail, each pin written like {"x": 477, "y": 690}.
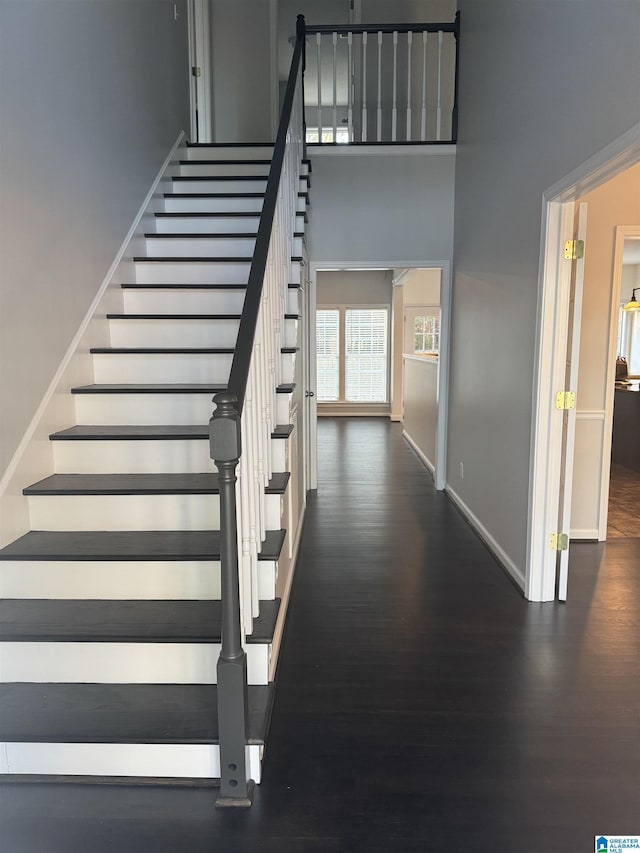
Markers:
{"x": 345, "y": 29}
{"x": 242, "y": 357}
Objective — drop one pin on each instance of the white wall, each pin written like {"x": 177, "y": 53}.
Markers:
{"x": 241, "y": 63}
{"x": 543, "y": 86}
{"x": 92, "y": 97}
{"x": 421, "y": 405}
{"x": 615, "y": 203}
{"x": 392, "y": 208}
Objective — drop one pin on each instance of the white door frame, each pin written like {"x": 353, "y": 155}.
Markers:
{"x": 200, "y": 89}
{"x": 443, "y": 372}
{"x": 546, "y": 461}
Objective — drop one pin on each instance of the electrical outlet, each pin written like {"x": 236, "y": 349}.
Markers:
{"x": 462, "y": 471}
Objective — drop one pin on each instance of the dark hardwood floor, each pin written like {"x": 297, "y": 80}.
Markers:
{"x": 422, "y": 703}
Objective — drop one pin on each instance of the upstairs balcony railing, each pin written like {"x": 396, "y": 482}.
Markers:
{"x": 381, "y": 83}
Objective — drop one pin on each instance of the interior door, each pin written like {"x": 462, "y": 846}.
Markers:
{"x": 569, "y": 415}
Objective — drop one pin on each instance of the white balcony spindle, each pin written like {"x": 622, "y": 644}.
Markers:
{"x": 379, "y": 113}
{"x": 394, "y": 107}
{"x": 335, "y": 87}
{"x": 319, "y": 64}
{"x": 364, "y": 87}
{"x": 423, "y": 117}
{"x": 439, "y": 111}
{"x": 409, "y": 42}
{"x": 350, "y": 87}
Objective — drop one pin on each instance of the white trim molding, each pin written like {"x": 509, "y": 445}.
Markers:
{"x": 489, "y": 540}
{"x": 425, "y": 461}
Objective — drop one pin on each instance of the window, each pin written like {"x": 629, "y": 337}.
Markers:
{"x": 426, "y": 334}
{"x": 352, "y": 355}
{"x": 328, "y": 355}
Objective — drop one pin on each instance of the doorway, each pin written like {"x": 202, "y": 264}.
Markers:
{"x": 391, "y": 408}
{"x": 552, "y": 453}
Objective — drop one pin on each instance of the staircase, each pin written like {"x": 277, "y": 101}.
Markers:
{"x": 110, "y": 617}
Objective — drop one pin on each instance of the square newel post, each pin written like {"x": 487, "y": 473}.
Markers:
{"x": 225, "y": 446}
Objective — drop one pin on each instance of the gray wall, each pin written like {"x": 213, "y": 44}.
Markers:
{"x": 390, "y": 208}
{"x": 241, "y": 68}
{"x": 543, "y": 86}
{"x": 92, "y": 96}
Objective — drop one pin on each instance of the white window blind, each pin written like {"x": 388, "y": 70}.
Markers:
{"x": 328, "y": 355}
{"x": 366, "y": 332}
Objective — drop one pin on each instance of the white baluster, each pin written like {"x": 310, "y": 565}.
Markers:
{"x": 319, "y": 62}
{"x": 335, "y": 87}
{"x": 350, "y": 87}
{"x": 364, "y": 87}
{"x": 439, "y": 112}
{"x": 409, "y": 42}
{"x": 394, "y": 108}
{"x": 379, "y": 122}
{"x": 423, "y": 120}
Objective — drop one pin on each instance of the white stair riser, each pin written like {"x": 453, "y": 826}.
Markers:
{"x": 195, "y": 185}
{"x": 180, "y": 456}
{"x": 202, "y": 247}
{"x": 175, "y": 580}
{"x": 293, "y": 300}
{"x": 295, "y": 274}
{"x": 209, "y": 224}
{"x": 118, "y": 368}
{"x": 134, "y": 512}
{"x": 230, "y": 204}
{"x": 183, "y": 301}
{"x": 214, "y": 224}
{"x": 123, "y": 663}
{"x": 173, "y": 333}
{"x": 215, "y": 152}
{"x": 143, "y": 409}
{"x": 195, "y": 169}
{"x": 288, "y": 367}
{"x": 193, "y": 272}
{"x": 283, "y": 404}
{"x": 139, "y": 456}
{"x": 290, "y": 333}
{"x": 198, "y": 761}
{"x": 297, "y": 246}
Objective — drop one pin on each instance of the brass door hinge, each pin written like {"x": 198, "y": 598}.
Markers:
{"x": 574, "y": 250}
{"x": 559, "y": 541}
{"x": 565, "y": 400}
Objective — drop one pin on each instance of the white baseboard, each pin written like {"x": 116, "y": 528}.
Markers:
{"x": 492, "y": 544}
{"x": 284, "y": 601}
{"x": 590, "y": 533}
{"x": 33, "y": 458}
{"x": 425, "y": 461}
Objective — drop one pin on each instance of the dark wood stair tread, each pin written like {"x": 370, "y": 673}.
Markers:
{"x": 102, "y": 621}
{"x": 286, "y": 388}
{"x": 198, "y": 235}
{"x": 215, "y": 195}
{"x": 142, "y": 432}
{"x": 156, "y": 388}
{"x": 225, "y": 162}
{"x": 173, "y": 317}
{"x": 178, "y": 286}
{"x": 199, "y": 259}
{"x": 128, "y": 545}
{"x": 228, "y": 145}
{"x": 161, "y": 350}
{"x": 122, "y": 713}
{"x": 182, "y": 178}
{"x": 140, "y": 484}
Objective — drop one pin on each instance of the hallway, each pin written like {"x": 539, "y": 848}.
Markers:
{"x": 421, "y": 704}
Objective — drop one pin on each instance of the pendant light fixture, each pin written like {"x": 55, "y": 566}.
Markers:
{"x": 633, "y": 304}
